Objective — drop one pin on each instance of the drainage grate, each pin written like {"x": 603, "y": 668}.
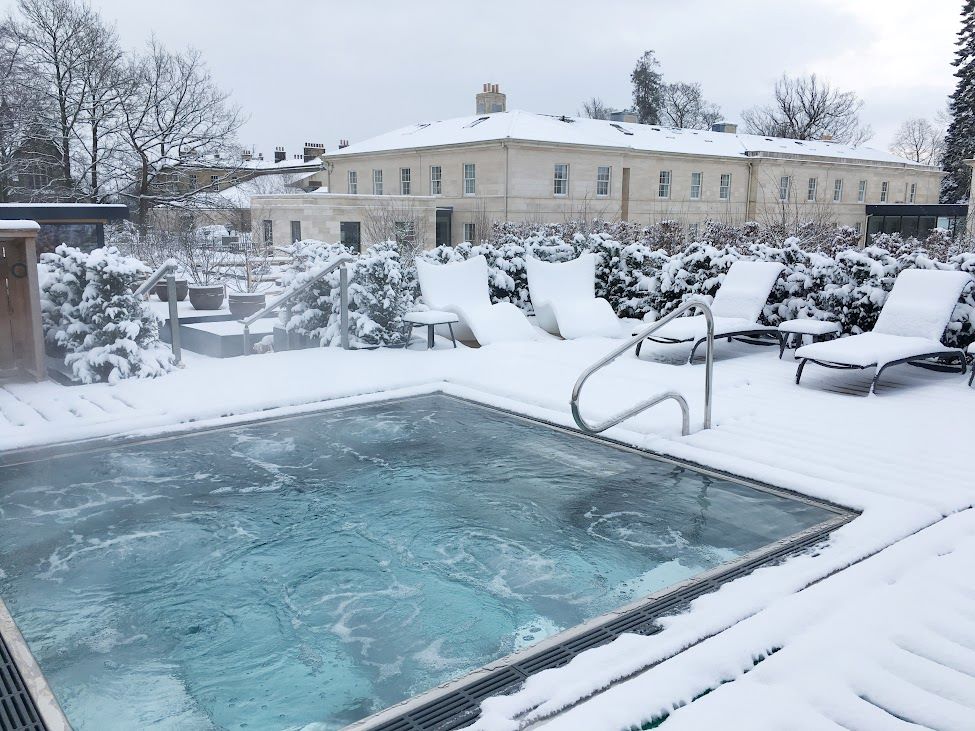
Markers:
{"x": 17, "y": 709}
{"x": 460, "y": 707}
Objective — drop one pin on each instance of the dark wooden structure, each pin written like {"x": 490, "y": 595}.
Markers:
{"x": 21, "y": 337}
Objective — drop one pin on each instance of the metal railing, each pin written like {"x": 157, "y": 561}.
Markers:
{"x": 669, "y": 395}
{"x": 167, "y": 270}
{"x": 287, "y": 297}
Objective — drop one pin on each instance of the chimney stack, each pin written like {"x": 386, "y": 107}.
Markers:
{"x": 313, "y": 151}
{"x": 724, "y": 127}
{"x": 343, "y": 143}
{"x": 279, "y": 155}
{"x": 246, "y": 154}
{"x": 490, "y": 100}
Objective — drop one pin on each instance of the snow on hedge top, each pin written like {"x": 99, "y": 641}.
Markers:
{"x": 519, "y": 125}
{"x": 920, "y": 303}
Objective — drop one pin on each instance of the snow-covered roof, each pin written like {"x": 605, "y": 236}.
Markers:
{"x": 230, "y": 163}
{"x": 532, "y": 127}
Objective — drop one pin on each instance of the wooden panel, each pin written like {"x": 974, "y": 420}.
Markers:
{"x": 6, "y": 315}
{"x": 21, "y": 338}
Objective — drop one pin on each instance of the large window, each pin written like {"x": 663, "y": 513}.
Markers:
{"x": 470, "y": 179}
{"x": 811, "y": 191}
{"x": 267, "y": 230}
{"x": 560, "y": 184}
{"x": 913, "y": 193}
{"x": 862, "y": 192}
{"x": 724, "y": 189}
{"x": 350, "y": 235}
{"x": 884, "y": 187}
{"x": 295, "y": 231}
{"x": 696, "y": 183}
{"x": 602, "y": 180}
{"x": 838, "y": 190}
{"x": 436, "y": 180}
{"x": 470, "y": 233}
{"x": 785, "y": 182}
{"x": 353, "y": 182}
{"x": 405, "y": 180}
{"x": 377, "y": 182}
{"x": 663, "y": 186}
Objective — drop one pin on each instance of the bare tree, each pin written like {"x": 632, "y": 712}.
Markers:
{"x": 683, "y": 105}
{"x": 401, "y": 221}
{"x": 594, "y": 108}
{"x": 172, "y": 112}
{"x": 807, "y": 108}
{"x": 919, "y": 141}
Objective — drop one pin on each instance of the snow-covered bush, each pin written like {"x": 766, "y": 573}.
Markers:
{"x": 868, "y": 276}
{"x": 89, "y": 310}
{"x": 311, "y": 313}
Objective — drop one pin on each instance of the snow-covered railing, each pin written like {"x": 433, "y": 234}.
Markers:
{"x": 669, "y": 395}
{"x": 167, "y": 270}
{"x": 287, "y": 297}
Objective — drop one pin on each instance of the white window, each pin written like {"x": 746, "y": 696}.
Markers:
{"x": 470, "y": 179}
{"x": 913, "y": 194}
{"x": 837, "y": 191}
{"x": 884, "y": 186}
{"x": 811, "y": 191}
{"x": 602, "y": 180}
{"x": 724, "y": 189}
{"x": 377, "y": 182}
{"x": 561, "y": 181}
{"x": 692, "y": 231}
{"x": 862, "y": 191}
{"x": 696, "y": 182}
{"x": 785, "y": 182}
{"x": 469, "y": 232}
{"x": 353, "y": 182}
{"x": 405, "y": 178}
{"x": 663, "y": 188}
{"x": 436, "y": 180}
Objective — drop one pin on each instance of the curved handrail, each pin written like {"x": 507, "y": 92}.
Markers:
{"x": 289, "y": 296}
{"x": 669, "y": 395}
{"x": 167, "y": 267}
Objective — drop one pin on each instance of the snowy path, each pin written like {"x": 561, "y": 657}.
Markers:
{"x": 899, "y": 456}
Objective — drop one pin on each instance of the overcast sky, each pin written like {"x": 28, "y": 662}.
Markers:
{"x": 320, "y": 71}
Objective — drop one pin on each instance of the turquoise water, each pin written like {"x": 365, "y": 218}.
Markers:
{"x": 317, "y": 569}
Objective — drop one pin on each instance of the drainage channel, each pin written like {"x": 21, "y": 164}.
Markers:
{"x": 18, "y": 712}
{"x": 459, "y": 706}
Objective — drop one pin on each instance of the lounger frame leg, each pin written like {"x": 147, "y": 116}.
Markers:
{"x": 430, "y": 336}
{"x": 802, "y": 364}
{"x": 452, "y": 338}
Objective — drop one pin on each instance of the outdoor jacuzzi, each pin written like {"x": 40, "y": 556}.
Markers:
{"x": 318, "y": 569}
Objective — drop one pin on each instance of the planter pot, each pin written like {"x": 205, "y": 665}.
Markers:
{"x": 206, "y": 296}
{"x": 245, "y": 304}
{"x": 162, "y": 291}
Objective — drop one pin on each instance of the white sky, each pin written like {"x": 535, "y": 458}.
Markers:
{"x": 320, "y": 70}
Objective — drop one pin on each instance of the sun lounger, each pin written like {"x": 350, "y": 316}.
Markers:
{"x": 564, "y": 297}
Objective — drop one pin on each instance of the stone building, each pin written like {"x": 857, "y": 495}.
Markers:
{"x": 452, "y": 177}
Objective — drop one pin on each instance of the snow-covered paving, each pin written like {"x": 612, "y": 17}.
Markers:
{"x": 897, "y": 456}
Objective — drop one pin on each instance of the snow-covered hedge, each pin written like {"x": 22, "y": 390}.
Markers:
{"x": 826, "y": 276}
{"x": 89, "y": 312}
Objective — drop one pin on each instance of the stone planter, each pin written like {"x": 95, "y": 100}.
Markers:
{"x": 162, "y": 291}
{"x": 245, "y": 304}
{"x": 206, "y": 296}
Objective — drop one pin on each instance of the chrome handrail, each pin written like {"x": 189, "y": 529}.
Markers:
{"x": 290, "y": 295}
{"x": 669, "y": 395}
{"x": 166, "y": 269}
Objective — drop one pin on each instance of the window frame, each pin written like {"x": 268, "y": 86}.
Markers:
{"x": 472, "y": 179}
{"x": 600, "y": 182}
{"x": 838, "y": 190}
{"x": 812, "y": 189}
{"x": 724, "y": 189}
{"x": 560, "y": 185}
{"x": 862, "y": 191}
{"x": 912, "y": 193}
{"x": 405, "y": 181}
{"x": 267, "y": 231}
{"x": 663, "y": 188}
{"x": 295, "y": 226}
{"x": 470, "y": 232}
{"x": 884, "y": 190}
{"x": 700, "y": 185}
{"x": 352, "y": 182}
{"x": 358, "y": 231}
{"x": 377, "y": 181}
{"x": 785, "y": 188}
{"x": 438, "y": 180}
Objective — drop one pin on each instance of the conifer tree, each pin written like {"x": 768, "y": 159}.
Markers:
{"x": 960, "y": 140}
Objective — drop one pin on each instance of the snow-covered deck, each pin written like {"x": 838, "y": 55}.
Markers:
{"x": 896, "y": 631}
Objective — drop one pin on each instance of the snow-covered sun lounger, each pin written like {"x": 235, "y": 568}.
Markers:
{"x": 736, "y": 309}
{"x": 564, "y": 297}
{"x": 909, "y": 329}
{"x": 462, "y": 288}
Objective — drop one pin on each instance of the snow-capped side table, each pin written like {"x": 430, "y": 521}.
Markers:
{"x": 816, "y": 329}
{"x": 430, "y": 318}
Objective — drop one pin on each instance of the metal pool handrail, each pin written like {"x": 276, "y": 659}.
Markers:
{"x": 167, "y": 270}
{"x": 289, "y": 296}
{"x": 669, "y": 395}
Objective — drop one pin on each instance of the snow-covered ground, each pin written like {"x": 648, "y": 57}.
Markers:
{"x": 896, "y": 631}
